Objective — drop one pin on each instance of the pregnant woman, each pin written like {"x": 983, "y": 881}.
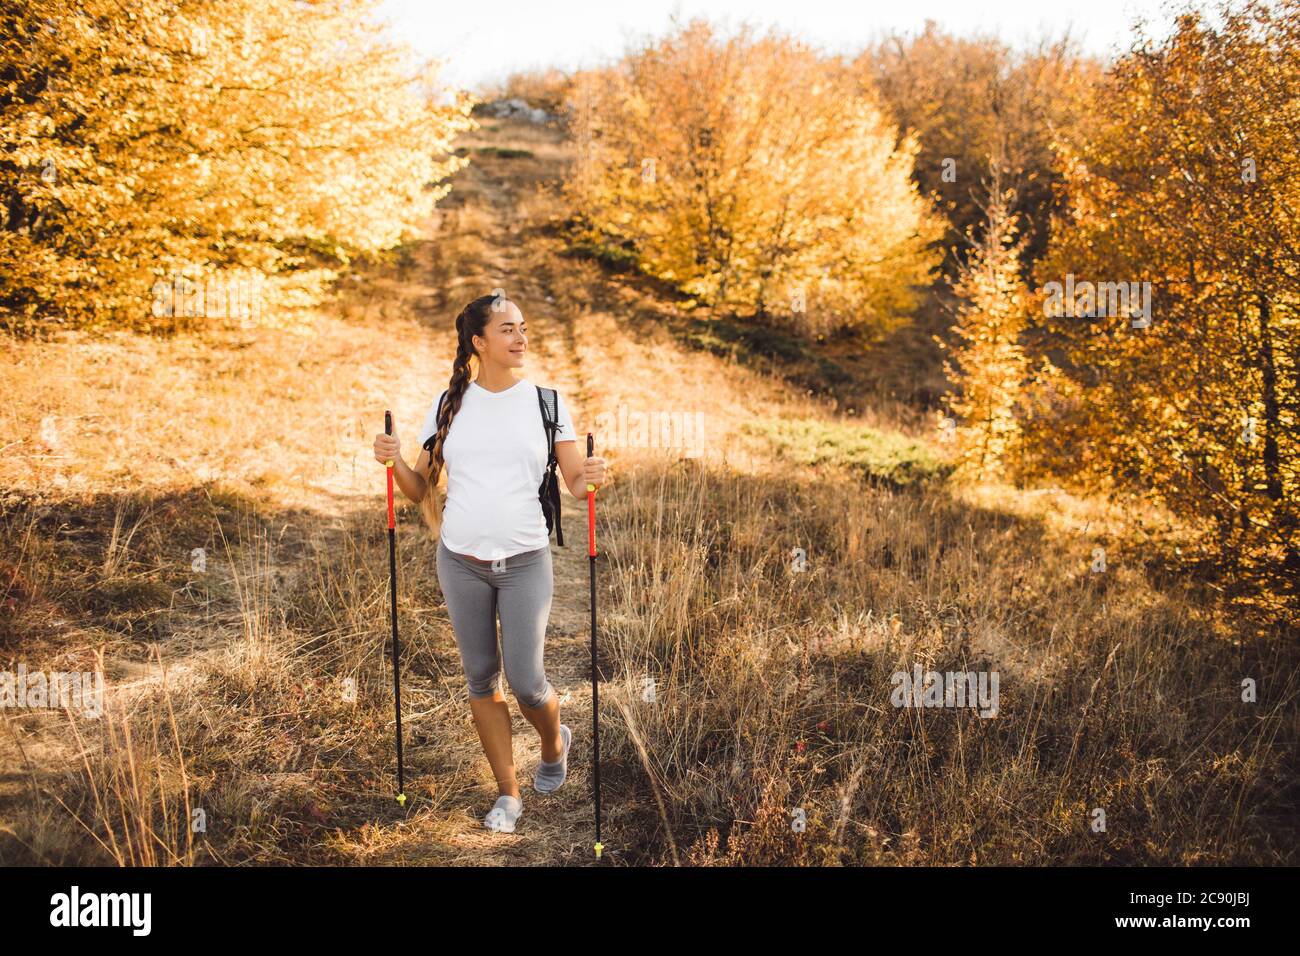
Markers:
{"x": 494, "y": 556}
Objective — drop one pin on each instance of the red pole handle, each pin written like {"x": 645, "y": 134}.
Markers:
{"x": 388, "y": 430}
{"x": 591, "y": 503}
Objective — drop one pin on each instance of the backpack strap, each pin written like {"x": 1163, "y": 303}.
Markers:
{"x": 550, "y": 491}
{"x": 428, "y": 442}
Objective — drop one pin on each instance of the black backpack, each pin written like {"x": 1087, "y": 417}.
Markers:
{"x": 548, "y": 493}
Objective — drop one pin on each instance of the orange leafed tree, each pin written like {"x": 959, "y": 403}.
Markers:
{"x": 161, "y": 139}
{"x": 755, "y": 175}
{"x": 1187, "y": 181}
{"x": 971, "y": 98}
{"x": 988, "y": 362}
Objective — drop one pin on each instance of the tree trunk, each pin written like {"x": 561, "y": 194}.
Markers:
{"x": 1272, "y": 460}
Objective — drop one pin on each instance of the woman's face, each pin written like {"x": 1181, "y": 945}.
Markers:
{"x": 504, "y": 339}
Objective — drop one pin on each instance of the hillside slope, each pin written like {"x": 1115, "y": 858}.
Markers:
{"x": 743, "y": 682}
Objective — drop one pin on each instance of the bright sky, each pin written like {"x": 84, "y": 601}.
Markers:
{"x": 484, "y": 40}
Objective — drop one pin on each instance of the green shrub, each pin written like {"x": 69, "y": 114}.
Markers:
{"x": 890, "y": 458}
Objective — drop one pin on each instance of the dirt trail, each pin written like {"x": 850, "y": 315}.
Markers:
{"x": 556, "y": 828}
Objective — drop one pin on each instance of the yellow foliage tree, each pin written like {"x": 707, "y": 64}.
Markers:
{"x": 161, "y": 143}
{"x": 969, "y": 98}
{"x": 988, "y": 363}
{"x": 1187, "y": 183}
{"x": 754, "y": 175}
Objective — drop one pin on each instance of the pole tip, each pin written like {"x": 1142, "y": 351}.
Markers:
{"x": 599, "y": 847}
{"x": 401, "y": 799}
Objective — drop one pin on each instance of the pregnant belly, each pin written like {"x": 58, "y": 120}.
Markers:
{"x": 503, "y": 523}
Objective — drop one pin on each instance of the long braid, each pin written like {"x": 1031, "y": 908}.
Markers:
{"x": 472, "y": 321}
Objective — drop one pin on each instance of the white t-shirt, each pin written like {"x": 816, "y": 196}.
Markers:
{"x": 495, "y": 456}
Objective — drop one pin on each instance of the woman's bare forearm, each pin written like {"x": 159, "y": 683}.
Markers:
{"x": 413, "y": 485}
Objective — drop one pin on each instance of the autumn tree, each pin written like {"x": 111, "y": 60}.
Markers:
{"x": 988, "y": 364}
{"x": 174, "y": 138}
{"x": 970, "y": 98}
{"x": 1185, "y": 188}
{"x": 755, "y": 175}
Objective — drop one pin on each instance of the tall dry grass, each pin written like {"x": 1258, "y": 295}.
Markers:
{"x": 771, "y": 687}
{"x": 139, "y": 812}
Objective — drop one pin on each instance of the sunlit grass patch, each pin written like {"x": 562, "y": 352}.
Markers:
{"x": 886, "y": 457}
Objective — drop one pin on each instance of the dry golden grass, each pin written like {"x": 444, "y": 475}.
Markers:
{"x": 257, "y": 690}
{"x": 773, "y": 687}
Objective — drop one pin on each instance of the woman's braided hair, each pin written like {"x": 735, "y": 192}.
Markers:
{"x": 472, "y": 321}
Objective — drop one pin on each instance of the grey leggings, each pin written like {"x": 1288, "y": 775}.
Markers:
{"x": 519, "y": 591}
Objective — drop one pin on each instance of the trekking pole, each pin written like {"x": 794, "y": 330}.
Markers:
{"x": 595, "y": 690}
{"x": 392, "y": 591}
